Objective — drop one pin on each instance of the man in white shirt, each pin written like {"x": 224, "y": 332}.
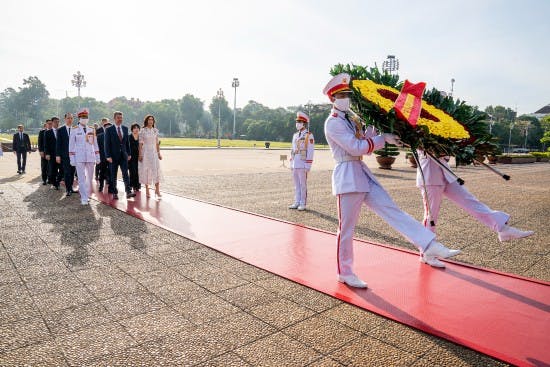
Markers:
{"x": 355, "y": 185}
{"x": 301, "y": 158}
{"x": 439, "y": 182}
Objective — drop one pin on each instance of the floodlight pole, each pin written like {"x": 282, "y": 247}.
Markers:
{"x": 235, "y": 84}
{"x": 78, "y": 82}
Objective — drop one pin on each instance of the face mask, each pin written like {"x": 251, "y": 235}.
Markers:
{"x": 84, "y": 121}
{"x": 299, "y": 126}
{"x": 342, "y": 104}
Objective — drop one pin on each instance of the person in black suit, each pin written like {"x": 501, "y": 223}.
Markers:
{"x": 21, "y": 145}
{"x": 62, "y": 152}
{"x": 103, "y": 165}
{"x": 117, "y": 153}
{"x": 41, "y": 143}
{"x": 50, "y": 141}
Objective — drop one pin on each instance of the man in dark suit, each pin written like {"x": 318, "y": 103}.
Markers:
{"x": 62, "y": 152}
{"x": 21, "y": 145}
{"x": 50, "y": 141}
{"x": 99, "y": 129}
{"x": 117, "y": 153}
{"x": 103, "y": 166}
{"x": 41, "y": 143}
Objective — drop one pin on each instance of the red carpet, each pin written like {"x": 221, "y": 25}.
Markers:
{"x": 502, "y": 315}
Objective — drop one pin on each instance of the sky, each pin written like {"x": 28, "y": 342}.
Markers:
{"x": 498, "y": 52}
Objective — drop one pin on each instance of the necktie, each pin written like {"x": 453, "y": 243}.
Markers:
{"x": 21, "y": 136}
{"x": 84, "y": 129}
{"x": 119, "y": 133}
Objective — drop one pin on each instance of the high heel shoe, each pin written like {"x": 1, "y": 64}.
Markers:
{"x": 157, "y": 194}
{"x": 147, "y": 193}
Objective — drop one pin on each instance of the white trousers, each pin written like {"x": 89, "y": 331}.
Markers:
{"x": 300, "y": 185}
{"x": 378, "y": 200}
{"x": 493, "y": 219}
{"x": 85, "y": 172}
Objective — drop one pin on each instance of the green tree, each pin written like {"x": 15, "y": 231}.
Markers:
{"x": 191, "y": 110}
{"x": 217, "y": 108}
{"x": 26, "y": 106}
{"x": 33, "y": 100}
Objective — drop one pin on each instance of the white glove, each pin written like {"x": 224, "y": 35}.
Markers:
{"x": 371, "y": 131}
{"x": 392, "y": 139}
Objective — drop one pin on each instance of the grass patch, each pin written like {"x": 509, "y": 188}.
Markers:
{"x": 200, "y": 143}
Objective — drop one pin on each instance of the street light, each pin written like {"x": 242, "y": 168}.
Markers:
{"x": 309, "y": 106}
{"x": 452, "y": 86}
{"x": 78, "y": 82}
{"x": 235, "y": 84}
{"x": 391, "y": 64}
{"x": 526, "y": 133}
{"x": 510, "y": 136}
{"x": 219, "y": 97}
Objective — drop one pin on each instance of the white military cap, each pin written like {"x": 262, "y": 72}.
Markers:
{"x": 337, "y": 84}
{"x": 302, "y": 117}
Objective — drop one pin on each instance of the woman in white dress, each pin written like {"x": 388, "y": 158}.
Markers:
{"x": 149, "y": 156}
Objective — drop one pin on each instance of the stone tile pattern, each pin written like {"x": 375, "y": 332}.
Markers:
{"x": 91, "y": 286}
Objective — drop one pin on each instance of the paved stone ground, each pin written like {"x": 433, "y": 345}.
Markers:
{"x": 94, "y": 287}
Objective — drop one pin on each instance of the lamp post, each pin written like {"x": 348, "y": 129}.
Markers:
{"x": 219, "y": 97}
{"x": 491, "y": 123}
{"x": 309, "y": 106}
{"x": 78, "y": 82}
{"x": 510, "y": 136}
{"x": 391, "y": 64}
{"x": 452, "y": 86}
{"x": 235, "y": 84}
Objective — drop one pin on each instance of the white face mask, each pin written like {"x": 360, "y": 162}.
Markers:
{"x": 299, "y": 126}
{"x": 342, "y": 104}
{"x": 84, "y": 121}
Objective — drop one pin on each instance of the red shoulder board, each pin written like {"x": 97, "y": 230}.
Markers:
{"x": 334, "y": 114}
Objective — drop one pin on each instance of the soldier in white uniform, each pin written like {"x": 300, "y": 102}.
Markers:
{"x": 83, "y": 154}
{"x": 441, "y": 182}
{"x": 354, "y": 185}
{"x": 301, "y": 158}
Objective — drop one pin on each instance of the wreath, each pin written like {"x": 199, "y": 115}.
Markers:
{"x": 445, "y": 127}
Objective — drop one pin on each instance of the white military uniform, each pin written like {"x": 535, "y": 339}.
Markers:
{"x": 84, "y": 154}
{"x": 303, "y": 147}
{"x": 439, "y": 183}
{"x": 354, "y": 184}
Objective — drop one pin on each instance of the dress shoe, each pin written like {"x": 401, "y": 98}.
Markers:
{"x": 302, "y": 208}
{"x": 19, "y": 172}
{"x": 352, "y": 280}
{"x": 511, "y": 233}
{"x": 130, "y": 195}
{"x": 294, "y": 206}
{"x": 44, "y": 183}
{"x": 84, "y": 202}
{"x": 69, "y": 193}
{"x": 115, "y": 196}
{"x": 437, "y": 250}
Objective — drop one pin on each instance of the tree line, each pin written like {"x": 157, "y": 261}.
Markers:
{"x": 188, "y": 116}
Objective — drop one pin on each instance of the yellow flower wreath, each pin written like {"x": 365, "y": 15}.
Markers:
{"x": 437, "y": 121}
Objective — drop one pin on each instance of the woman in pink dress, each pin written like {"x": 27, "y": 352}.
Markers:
{"x": 149, "y": 156}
